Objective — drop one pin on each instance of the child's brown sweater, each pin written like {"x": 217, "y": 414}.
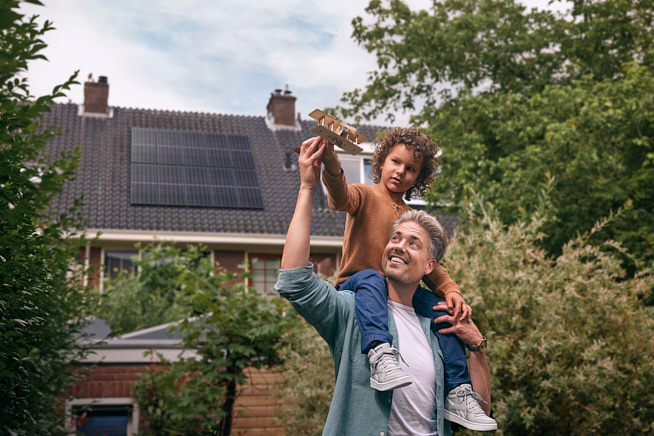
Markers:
{"x": 370, "y": 216}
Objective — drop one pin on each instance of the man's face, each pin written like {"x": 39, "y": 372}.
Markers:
{"x": 406, "y": 256}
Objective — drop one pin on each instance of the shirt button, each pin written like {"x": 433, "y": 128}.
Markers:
{"x": 381, "y": 434}
{"x": 389, "y": 401}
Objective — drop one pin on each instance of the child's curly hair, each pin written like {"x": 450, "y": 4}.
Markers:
{"x": 422, "y": 146}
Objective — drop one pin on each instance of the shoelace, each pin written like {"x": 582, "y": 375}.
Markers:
{"x": 383, "y": 360}
{"x": 468, "y": 395}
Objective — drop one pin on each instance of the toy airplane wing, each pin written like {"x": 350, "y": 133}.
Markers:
{"x": 337, "y": 132}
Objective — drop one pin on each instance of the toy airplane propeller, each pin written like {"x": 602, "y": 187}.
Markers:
{"x": 337, "y": 132}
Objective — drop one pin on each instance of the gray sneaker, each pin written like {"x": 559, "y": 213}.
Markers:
{"x": 385, "y": 371}
{"x": 461, "y": 406}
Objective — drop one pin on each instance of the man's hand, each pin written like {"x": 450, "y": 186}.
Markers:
{"x": 457, "y": 306}
{"x": 465, "y": 329}
{"x": 309, "y": 162}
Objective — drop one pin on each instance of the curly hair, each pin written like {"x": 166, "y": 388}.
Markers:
{"x": 422, "y": 146}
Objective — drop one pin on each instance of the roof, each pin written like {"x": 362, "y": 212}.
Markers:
{"x": 103, "y": 176}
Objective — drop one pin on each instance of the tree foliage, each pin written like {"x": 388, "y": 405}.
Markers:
{"x": 494, "y": 46}
{"x": 594, "y": 140}
{"x": 156, "y": 292}
{"x": 514, "y": 96}
{"x": 232, "y": 328}
{"x": 42, "y": 302}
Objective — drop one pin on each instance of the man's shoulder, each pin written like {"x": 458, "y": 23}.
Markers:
{"x": 302, "y": 281}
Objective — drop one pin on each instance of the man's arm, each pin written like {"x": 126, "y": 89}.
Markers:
{"x": 468, "y": 332}
{"x": 297, "y": 249}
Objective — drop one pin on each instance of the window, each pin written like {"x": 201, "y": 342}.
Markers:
{"x": 104, "y": 416}
{"x": 356, "y": 168}
{"x": 116, "y": 261}
{"x": 265, "y": 270}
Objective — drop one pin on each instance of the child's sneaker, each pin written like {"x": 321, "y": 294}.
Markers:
{"x": 461, "y": 406}
{"x": 385, "y": 371}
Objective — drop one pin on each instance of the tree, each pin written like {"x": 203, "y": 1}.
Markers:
{"x": 42, "y": 303}
{"x": 232, "y": 328}
{"x": 515, "y": 96}
{"x": 152, "y": 294}
{"x": 492, "y": 46}
{"x": 594, "y": 140}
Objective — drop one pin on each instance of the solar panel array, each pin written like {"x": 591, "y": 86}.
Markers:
{"x": 180, "y": 168}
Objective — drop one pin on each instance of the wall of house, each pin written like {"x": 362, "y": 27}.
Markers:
{"x": 325, "y": 264}
{"x": 256, "y": 407}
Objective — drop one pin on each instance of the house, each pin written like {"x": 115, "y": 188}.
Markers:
{"x": 227, "y": 182}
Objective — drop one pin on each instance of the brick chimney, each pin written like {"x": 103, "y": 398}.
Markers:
{"x": 281, "y": 108}
{"x": 96, "y": 96}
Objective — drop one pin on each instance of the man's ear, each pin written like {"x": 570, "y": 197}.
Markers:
{"x": 431, "y": 264}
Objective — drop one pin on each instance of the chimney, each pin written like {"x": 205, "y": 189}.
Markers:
{"x": 96, "y": 96}
{"x": 281, "y": 108}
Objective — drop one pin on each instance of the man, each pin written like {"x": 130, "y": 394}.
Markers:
{"x": 414, "y": 247}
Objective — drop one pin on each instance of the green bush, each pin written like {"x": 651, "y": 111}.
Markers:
{"x": 570, "y": 343}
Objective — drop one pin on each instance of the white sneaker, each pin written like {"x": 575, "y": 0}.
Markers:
{"x": 385, "y": 371}
{"x": 461, "y": 406}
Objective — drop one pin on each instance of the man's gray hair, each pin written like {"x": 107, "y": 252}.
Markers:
{"x": 437, "y": 235}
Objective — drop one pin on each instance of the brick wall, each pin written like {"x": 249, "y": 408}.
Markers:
{"x": 256, "y": 406}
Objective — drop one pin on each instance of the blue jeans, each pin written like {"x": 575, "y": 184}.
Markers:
{"x": 371, "y": 311}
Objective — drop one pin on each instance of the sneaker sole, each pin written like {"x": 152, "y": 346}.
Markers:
{"x": 388, "y": 386}
{"x": 467, "y": 424}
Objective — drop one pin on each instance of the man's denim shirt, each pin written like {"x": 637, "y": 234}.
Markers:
{"x": 356, "y": 409}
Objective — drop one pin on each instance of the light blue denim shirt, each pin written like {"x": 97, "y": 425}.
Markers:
{"x": 356, "y": 409}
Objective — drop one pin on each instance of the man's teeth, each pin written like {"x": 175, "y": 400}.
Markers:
{"x": 397, "y": 259}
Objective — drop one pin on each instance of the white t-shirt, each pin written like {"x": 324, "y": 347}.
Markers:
{"x": 413, "y": 411}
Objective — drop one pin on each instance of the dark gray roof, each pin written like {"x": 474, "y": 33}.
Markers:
{"x": 103, "y": 176}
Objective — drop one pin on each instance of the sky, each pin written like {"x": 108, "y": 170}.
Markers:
{"x": 219, "y": 56}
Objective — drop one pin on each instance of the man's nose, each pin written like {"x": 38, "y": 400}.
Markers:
{"x": 399, "y": 246}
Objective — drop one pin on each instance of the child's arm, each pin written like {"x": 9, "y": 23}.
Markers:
{"x": 440, "y": 282}
{"x": 340, "y": 195}
{"x": 331, "y": 161}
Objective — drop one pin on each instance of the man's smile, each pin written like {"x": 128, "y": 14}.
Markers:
{"x": 396, "y": 259}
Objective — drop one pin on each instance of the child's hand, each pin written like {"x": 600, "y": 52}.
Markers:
{"x": 466, "y": 330}
{"x": 457, "y": 306}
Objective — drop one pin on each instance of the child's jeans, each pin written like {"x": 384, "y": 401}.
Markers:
{"x": 371, "y": 310}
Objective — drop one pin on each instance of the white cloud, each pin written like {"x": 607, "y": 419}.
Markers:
{"x": 208, "y": 56}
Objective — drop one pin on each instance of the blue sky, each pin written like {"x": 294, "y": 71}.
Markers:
{"x": 220, "y": 56}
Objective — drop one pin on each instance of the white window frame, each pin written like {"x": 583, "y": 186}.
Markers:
{"x": 267, "y": 293}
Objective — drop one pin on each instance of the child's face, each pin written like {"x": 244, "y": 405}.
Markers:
{"x": 400, "y": 169}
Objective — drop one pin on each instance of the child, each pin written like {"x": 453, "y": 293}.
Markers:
{"x": 403, "y": 163}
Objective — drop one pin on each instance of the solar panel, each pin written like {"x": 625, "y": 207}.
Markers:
{"x": 181, "y": 168}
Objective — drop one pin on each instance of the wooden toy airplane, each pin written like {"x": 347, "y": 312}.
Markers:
{"x": 337, "y": 132}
